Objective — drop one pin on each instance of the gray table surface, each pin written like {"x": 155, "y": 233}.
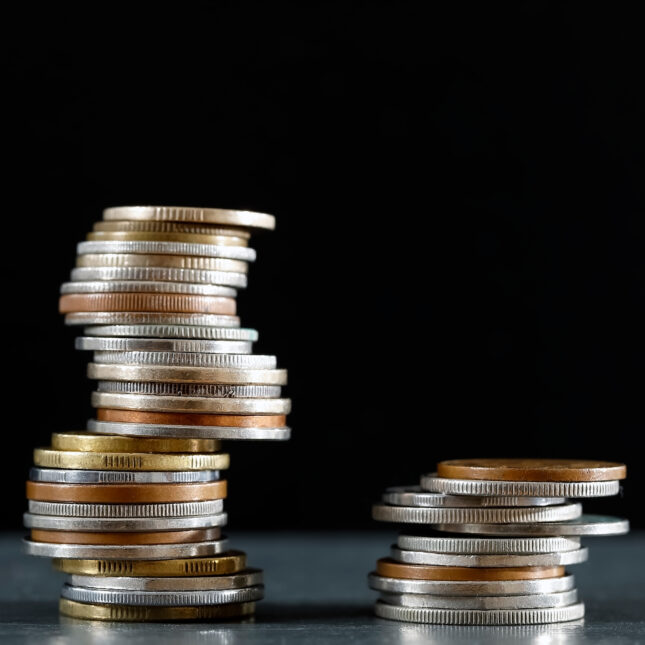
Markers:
{"x": 316, "y": 592}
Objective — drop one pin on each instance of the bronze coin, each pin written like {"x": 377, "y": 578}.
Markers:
{"x": 158, "y": 537}
{"x": 191, "y": 419}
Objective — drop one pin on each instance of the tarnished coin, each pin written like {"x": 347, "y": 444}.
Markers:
{"x": 436, "y": 484}
{"x": 67, "y": 476}
{"x": 191, "y": 389}
{"x": 107, "y": 344}
{"x": 132, "y": 286}
{"x": 155, "y": 236}
{"x": 174, "y": 331}
{"x": 189, "y": 262}
{"x": 488, "y": 546}
{"x": 415, "y": 496}
{"x": 243, "y": 253}
{"x": 183, "y": 359}
{"x": 96, "y": 538}
{"x": 159, "y": 274}
{"x": 480, "y": 616}
{"x": 88, "y": 442}
{"x": 151, "y": 226}
{"x": 108, "y": 511}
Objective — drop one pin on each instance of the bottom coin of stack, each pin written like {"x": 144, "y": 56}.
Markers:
{"x": 491, "y": 549}
{"x": 136, "y": 525}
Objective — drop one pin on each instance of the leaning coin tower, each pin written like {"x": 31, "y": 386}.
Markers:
{"x": 486, "y": 541}
{"x": 132, "y": 508}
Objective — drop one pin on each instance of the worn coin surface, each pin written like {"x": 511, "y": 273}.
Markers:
{"x": 159, "y": 274}
{"x": 108, "y": 511}
{"x": 243, "y": 253}
{"x": 67, "y": 476}
{"x": 143, "y": 287}
{"x": 213, "y": 390}
{"x": 488, "y": 546}
{"x": 173, "y": 331}
{"x": 170, "y": 227}
{"x": 88, "y": 442}
{"x": 183, "y": 359}
{"x": 415, "y": 496}
{"x": 107, "y": 344}
{"x": 170, "y": 236}
{"x": 149, "y": 318}
{"x": 148, "y": 537}
{"x": 188, "y": 262}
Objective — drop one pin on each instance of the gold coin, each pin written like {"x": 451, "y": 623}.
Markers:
{"x": 169, "y": 227}
{"x": 186, "y": 238}
{"x": 130, "y": 613}
{"x": 88, "y": 442}
{"x": 49, "y": 458}
{"x": 165, "y": 261}
{"x": 220, "y": 216}
{"x": 227, "y": 563}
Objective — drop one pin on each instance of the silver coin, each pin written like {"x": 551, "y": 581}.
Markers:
{"x": 169, "y": 509}
{"x": 464, "y": 560}
{"x": 488, "y": 546}
{"x": 174, "y": 331}
{"x": 480, "y": 616}
{"x": 425, "y": 515}
{"x": 162, "y": 598}
{"x": 102, "y": 344}
{"x": 213, "y": 390}
{"x": 67, "y": 476}
{"x": 58, "y": 523}
{"x": 150, "y": 318}
{"x": 184, "y": 359}
{"x": 584, "y": 525}
{"x": 127, "y": 551}
{"x": 481, "y": 487}
{"x": 186, "y": 288}
{"x": 197, "y": 432}
{"x": 414, "y": 496}
{"x": 148, "y": 402}
{"x": 168, "y": 248}
{"x": 159, "y": 274}
{"x": 246, "y": 578}
{"x": 531, "y": 601}
{"x": 472, "y": 588}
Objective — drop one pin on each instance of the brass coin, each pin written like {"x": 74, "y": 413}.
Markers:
{"x": 122, "y": 539}
{"x": 88, "y": 442}
{"x": 186, "y": 238}
{"x": 169, "y": 227}
{"x": 191, "y": 419}
{"x": 165, "y": 261}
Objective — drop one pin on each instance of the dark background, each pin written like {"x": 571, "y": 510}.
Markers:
{"x": 458, "y": 264}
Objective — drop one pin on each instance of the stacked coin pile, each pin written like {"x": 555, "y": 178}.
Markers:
{"x": 132, "y": 509}
{"x": 520, "y": 533}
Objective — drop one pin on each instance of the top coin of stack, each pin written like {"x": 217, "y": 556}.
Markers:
{"x": 155, "y": 289}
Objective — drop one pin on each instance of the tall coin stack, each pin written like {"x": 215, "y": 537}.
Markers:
{"x": 493, "y": 539}
{"x": 132, "y": 508}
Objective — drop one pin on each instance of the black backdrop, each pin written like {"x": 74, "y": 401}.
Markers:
{"x": 458, "y": 264}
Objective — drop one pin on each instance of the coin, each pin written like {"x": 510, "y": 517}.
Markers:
{"x": 218, "y": 216}
{"x": 426, "y": 515}
{"x": 213, "y": 390}
{"x": 49, "y": 458}
{"x": 109, "y": 511}
{"x": 531, "y": 601}
{"x": 163, "y": 302}
{"x": 126, "y": 613}
{"x": 102, "y": 344}
{"x": 87, "y": 442}
{"x": 168, "y": 248}
{"x": 488, "y": 546}
{"x": 480, "y": 616}
{"x": 191, "y": 404}
{"x": 121, "y": 552}
{"x": 147, "y": 318}
{"x": 540, "y": 489}
{"x": 179, "y": 359}
{"x": 174, "y": 331}
{"x": 150, "y": 236}
{"x": 555, "y": 470}
{"x": 464, "y": 560}
{"x": 231, "y": 562}
{"x": 65, "y": 476}
{"x": 132, "y": 286}
{"x": 172, "y": 418}
{"x": 188, "y": 262}
{"x": 470, "y": 587}
{"x": 584, "y": 525}
{"x": 170, "y": 227}
{"x": 414, "y": 496}
{"x": 146, "y": 538}
{"x": 126, "y": 493}
{"x": 246, "y": 578}
{"x": 159, "y": 274}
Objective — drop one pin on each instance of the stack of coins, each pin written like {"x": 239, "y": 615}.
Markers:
{"x": 132, "y": 509}
{"x": 493, "y": 539}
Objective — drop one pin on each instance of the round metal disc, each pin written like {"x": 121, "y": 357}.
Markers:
{"x": 107, "y": 344}
{"x": 185, "y": 359}
{"x": 150, "y": 318}
{"x": 488, "y": 546}
{"x": 213, "y": 390}
{"x": 186, "y": 288}
{"x": 130, "y": 511}
{"x": 188, "y": 332}
{"x": 169, "y": 248}
{"x": 67, "y": 476}
{"x": 159, "y": 274}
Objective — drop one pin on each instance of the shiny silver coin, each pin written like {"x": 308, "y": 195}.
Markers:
{"x": 584, "y": 525}
{"x": 472, "y": 588}
{"x": 246, "y": 578}
{"x": 197, "y": 432}
{"x": 191, "y": 389}
{"x": 480, "y": 616}
{"x": 106, "y": 344}
{"x": 414, "y": 496}
{"x": 188, "y": 332}
{"x": 425, "y": 515}
{"x": 127, "y": 551}
{"x": 488, "y": 546}
{"x": 150, "y": 318}
{"x": 185, "y": 288}
{"x": 109, "y": 524}
{"x": 228, "y": 361}
{"x": 464, "y": 560}
{"x": 168, "y": 248}
{"x": 480, "y": 487}
{"x": 170, "y": 509}
{"x": 159, "y": 274}
{"x": 531, "y": 601}
{"x": 67, "y": 476}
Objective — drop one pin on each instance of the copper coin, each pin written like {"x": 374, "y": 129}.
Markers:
{"x": 157, "y": 302}
{"x": 536, "y": 470}
{"x": 126, "y": 493}
{"x": 391, "y": 569}
{"x": 191, "y": 419}
{"x": 158, "y": 537}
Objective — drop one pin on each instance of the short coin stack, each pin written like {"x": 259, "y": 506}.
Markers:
{"x": 132, "y": 509}
{"x": 493, "y": 541}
